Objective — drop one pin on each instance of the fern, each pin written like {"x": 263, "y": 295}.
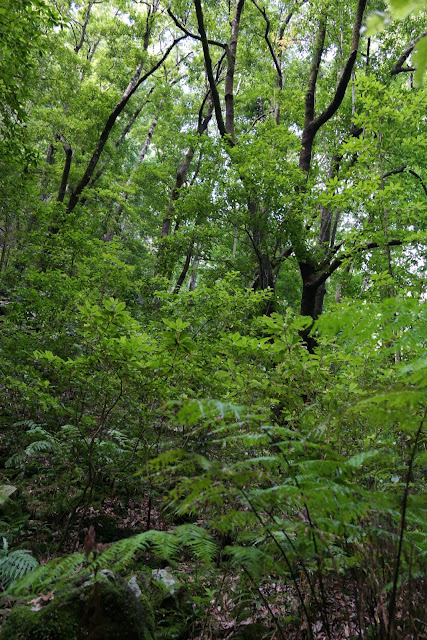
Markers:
{"x": 15, "y": 564}
{"x": 165, "y": 544}
{"x": 198, "y": 541}
{"x": 56, "y": 572}
{"x": 47, "y": 442}
{"x": 251, "y": 558}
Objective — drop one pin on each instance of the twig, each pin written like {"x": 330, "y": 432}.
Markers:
{"x": 392, "y": 605}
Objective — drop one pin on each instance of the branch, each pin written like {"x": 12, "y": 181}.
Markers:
{"x": 185, "y": 268}
{"x": 346, "y": 74}
{"x": 66, "y": 171}
{"x": 202, "y": 126}
{"x": 394, "y": 172}
{"x": 308, "y": 134}
{"x": 258, "y": 119}
{"x": 314, "y": 71}
{"x": 335, "y": 264}
{"x": 404, "y": 70}
{"x": 283, "y": 255}
{"x": 398, "y": 67}
{"x": 268, "y": 41}
{"x": 193, "y": 35}
{"x": 130, "y": 90}
{"x": 203, "y": 120}
{"x": 209, "y": 71}
{"x": 93, "y": 49}
{"x": 122, "y": 136}
{"x": 312, "y": 124}
{"x": 419, "y": 178}
{"x": 84, "y": 26}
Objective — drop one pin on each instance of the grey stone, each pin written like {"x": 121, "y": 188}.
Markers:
{"x": 134, "y": 586}
{"x": 7, "y": 492}
{"x": 167, "y": 579}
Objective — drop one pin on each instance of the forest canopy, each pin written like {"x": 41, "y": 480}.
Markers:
{"x": 212, "y": 287}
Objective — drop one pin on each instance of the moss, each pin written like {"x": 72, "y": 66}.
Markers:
{"x": 106, "y": 610}
{"x": 149, "y": 613}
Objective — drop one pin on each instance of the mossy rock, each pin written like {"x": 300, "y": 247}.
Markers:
{"x": 104, "y": 610}
{"x": 172, "y": 602}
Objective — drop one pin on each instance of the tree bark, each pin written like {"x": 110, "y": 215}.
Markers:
{"x": 66, "y": 171}
{"x": 231, "y": 68}
{"x": 312, "y": 124}
{"x": 180, "y": 179}
{"x": 111, "y": 231}
{"x": 133, "y": 85}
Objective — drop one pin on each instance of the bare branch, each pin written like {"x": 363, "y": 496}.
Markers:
{"x": 209, "y": 70}
{"x": 398, "y": 67}
{"x": 130, "y": 90}
{"x": 84, "y": 26}
{"x": 335, "y": 264}
{"x": 312, "y": 124}
{"x": 268, "y": 41}
{"x": 66, "y": 171}
{"x": 402, "y": 170}
{"x": 182, "y": 27}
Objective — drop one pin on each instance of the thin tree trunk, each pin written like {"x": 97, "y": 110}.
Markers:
{"x": 66, "y": 171}
{"x": 84, "y": 27}
{"x": 194, "y": 269}
{"x": 231, "y": 68}
{"x": 50, "y": 158}
{"x": 110, "y": 232}
{"x": 233, "y": 251}
{"x": 179, "y": 181}
{"x": 185, "y": 268}
{"x": 136, "y": 81}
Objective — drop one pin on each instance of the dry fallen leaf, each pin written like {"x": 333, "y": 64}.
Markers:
{"x": 38, "y": 602}
{"x": 89, "y": 542}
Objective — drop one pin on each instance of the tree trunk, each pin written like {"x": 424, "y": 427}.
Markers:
{"x": 116, "y": 218}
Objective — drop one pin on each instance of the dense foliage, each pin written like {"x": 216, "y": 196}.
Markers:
{"x": 212, "y": 229}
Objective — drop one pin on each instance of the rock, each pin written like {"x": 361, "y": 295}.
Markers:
{"x": 134, "y": 586}
{"x": 167, "y": 579}
{"x": 104, "y": 610}
{"x": 7, "y": 492}
{"x": 106, "y": 574}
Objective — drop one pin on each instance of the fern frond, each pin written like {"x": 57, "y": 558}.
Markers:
{"x": 33, "y": 449}
{"x": 26, "y": 423}
{"x": 250, "y": 558}
{"x": 16, "y": 564}
{"x": 165, "y": 544}
{"x": 54, "y": 572}
{"x": 198, "y": 541}
{"x": 121, "y": 553}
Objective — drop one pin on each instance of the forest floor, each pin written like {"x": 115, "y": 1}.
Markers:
{"x": 271, "y": 610}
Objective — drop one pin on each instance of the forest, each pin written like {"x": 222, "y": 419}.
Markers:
{"x": 212, "y": 316}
